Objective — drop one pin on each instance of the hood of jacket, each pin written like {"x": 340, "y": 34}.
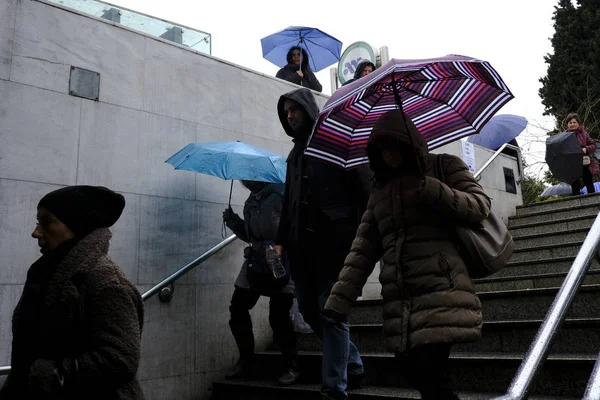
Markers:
{"x": 306, "y": 99}
{"x": 394, "y": 129}
{"x": 361, "y": 66}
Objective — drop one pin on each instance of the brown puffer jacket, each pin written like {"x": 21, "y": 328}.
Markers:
{"x": 428, "y": 295}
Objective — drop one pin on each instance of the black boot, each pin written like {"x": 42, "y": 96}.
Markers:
{"x": 243, "y": 369}
{"x": 289, "y": 376}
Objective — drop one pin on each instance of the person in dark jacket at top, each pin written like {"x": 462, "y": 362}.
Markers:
{"x": 77, "y": 327}
{"x": 322, "y": 207}
{"x": 364, "y": 68}
{"x": 262, "y": 212}
{"x": 297, "y": 70}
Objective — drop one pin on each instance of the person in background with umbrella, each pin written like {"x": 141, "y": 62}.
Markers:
{"x": 262, "y": 212}
{"x": 364, "y": 68}
{"x": 588, "y": 147}
{"x": 429, "y": 298}
{"x": 322, "y": 207}
{"x": 297, "y": 70}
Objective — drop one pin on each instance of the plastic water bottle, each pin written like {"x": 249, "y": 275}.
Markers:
{"x": 274, "y": 261}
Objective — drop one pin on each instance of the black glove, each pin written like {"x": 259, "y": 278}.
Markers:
{"x": 228, "y": 214}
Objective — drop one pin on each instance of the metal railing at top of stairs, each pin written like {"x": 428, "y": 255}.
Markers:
{"x": 497, "y": 153}
{"x": 4, "y": 370}
{"x": 556, "y": 315}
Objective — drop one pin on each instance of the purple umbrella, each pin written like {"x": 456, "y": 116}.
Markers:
{"x": 499, "y": 130}
{"x": 447, "y": 98}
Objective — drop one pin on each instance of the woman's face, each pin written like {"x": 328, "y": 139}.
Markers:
{"x": 49, "y": 231}
{"x": 572, "y": 125}
{"x": 296, "y": 57}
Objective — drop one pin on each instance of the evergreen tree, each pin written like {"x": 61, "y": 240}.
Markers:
{"x": 573, "y": 79}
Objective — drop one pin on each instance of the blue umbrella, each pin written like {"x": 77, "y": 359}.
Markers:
{"x": 231, "y": 160}
{"x": 557, "y": 190}
{"x": 499, "y": 130}
{"x": 323, "y": 49}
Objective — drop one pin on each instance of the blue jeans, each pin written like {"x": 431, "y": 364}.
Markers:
{"x": 340, "y": 355}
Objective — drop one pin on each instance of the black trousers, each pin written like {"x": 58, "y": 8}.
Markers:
{"x": 242, "y": 302}
{"x": 588, "y": 181}
{"x": 426, "y": 369}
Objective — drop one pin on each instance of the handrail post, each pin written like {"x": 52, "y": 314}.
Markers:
{"x": 541, "y": 345}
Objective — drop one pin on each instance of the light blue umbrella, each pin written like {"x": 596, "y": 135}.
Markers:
{"x": 499, "y": 130}
{"x": 231, "y": 160}
{"x": 323, "y": 49}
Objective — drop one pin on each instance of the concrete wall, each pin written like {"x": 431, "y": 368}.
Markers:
{"x": 155, "y": 98}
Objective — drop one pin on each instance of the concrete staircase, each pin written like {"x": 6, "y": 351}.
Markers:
{"x": 515, "y": 301}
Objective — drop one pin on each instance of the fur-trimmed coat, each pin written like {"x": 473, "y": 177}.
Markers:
{"x": 427, "y": 292}
{"x": 89, "y": 319}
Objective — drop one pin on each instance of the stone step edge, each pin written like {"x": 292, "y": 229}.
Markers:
{"x": 516, "y": 324}
{"x": 531, "y": 276}
{"x": 554, "y": 221}
{"x": 549, "y": 246}
{"x": 498, "y": 293}
{"x": 549, "y": 234}
{"x": 514, "y": 264}
{"x": 553, "y": 211}
{"x": 557, "y": 201}
{"x": 472, "y": 357}
{"x": 384, "y": 392}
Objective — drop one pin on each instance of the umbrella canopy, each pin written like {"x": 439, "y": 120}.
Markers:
{"x": 557, "y": 190}
{"x": 564, "y": 156}
{"x": 499, "y": 130}
{"x": 323, "y": 49}
{"x": 447, "y": 98}
{"x": 231, "y": 160}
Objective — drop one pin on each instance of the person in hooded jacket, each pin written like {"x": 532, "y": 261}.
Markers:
{"x": 77, "y": 327}
{"x": 297, "y": 70}
{"x": 322, "y": 206}
{"x": 262, "y": 212}
{"x": 429, "y": 298}
{"x": 364, "y": 68}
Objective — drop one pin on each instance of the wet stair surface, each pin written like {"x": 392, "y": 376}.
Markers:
{"x": 548, "y": 236}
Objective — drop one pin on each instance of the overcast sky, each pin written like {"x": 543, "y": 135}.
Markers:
{"x": 513, "y": 35}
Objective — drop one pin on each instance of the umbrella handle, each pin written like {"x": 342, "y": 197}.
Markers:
{"x": 230, "y": 191}
{"x": 224, "y": 226}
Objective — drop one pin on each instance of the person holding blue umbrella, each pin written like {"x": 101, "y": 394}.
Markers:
{"x": 297, "y": 70}
{"x": 300, "y": 51}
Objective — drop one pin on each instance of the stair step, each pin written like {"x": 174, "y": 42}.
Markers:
{"x": 546, "y": 239}
{"x": 524, "y": 304}
{"x": 556, "y": 225}
{"x": 569, "y": 249}
{"x": 541, "y": 266}
{"x": 562, "y": 375}
{"x": 531, "y": 281}
{"x": 549, "y": 216}
{"x": 553, "y": 205}
{"x": 575, "y": 336}
{"x": 260, "y": 389}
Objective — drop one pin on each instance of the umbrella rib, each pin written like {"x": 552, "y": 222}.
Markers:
{"x": 329, "y": 50}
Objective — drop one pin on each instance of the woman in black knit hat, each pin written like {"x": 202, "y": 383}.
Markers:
{"x": 77, "y": 327}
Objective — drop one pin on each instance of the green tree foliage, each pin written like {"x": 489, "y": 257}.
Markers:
{"x": 531, "y": 187}
{"x": 573, "y": 79}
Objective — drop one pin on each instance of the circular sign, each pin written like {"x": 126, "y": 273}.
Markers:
{"x": 353, "y": 54}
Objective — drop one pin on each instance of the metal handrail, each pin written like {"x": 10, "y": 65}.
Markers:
{"x": 189, "y": 267}
{"x": 6, "y": 369}
{"x": 541, "y": 345}
{"x": 592, "y": 392}
{"x": 497, "y": 153}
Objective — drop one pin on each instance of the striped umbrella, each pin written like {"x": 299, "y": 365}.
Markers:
{"x": 447, "y": 98}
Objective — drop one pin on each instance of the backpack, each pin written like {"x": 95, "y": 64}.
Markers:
{"x": 485, "y": 247}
